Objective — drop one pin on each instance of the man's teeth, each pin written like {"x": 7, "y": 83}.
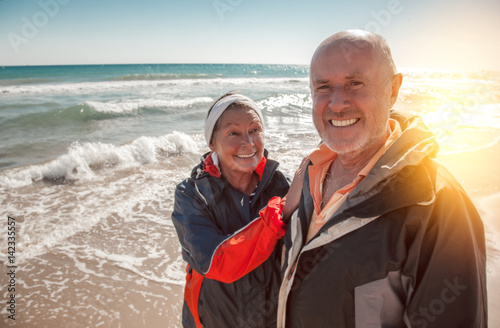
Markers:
{"x": 344, "y": 122}
{"x": 246, "y": 156}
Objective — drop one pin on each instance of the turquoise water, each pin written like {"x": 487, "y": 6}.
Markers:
{"x": 43, "y": 110}
{"x": 46, "y": 109}
{"x": 47, "y": 112}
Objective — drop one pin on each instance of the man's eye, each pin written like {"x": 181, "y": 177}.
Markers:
{"x": 322, "y": 87}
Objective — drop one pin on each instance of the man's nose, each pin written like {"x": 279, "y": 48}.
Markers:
{"x": 339, "y": 99}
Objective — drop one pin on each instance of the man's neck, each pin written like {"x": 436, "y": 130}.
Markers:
{"x": 345, "y": 168}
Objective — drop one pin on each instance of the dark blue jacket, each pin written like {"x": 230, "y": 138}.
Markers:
{"x": 233, "y": 273}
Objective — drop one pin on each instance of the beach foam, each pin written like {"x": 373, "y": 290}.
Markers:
{"x": 120, "y": 106}
{"x": 89, "y": 88}
{"x": 83, "y": 161}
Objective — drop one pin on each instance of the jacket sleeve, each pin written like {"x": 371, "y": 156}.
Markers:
{"x": 225, "y": 258}
{"x": 449, "y": 266}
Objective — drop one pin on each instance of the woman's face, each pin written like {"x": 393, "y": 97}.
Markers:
{"x": 238, "y": 141}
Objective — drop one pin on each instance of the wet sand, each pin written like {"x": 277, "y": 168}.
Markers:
{"x": 87, "y": 290}
{"x": 124, "y": 271}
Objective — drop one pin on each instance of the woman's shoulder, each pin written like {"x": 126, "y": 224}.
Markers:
{"x": 200, "y": 180}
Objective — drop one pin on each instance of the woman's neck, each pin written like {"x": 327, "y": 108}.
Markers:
{"x": 244, "y": 183}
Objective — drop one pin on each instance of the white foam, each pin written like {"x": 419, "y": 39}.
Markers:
{"x": 128, "y": 106}
{"x": 91, "y": 88}
{"x": 83, "y": 160}
{"x": 302, "y": 100}
{"x": 170, "y": 272}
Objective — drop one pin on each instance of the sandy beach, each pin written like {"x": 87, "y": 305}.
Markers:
{"x": 124, "y": 271}
{"x": 91, "y": 289}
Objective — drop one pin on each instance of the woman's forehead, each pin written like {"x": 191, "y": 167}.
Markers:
{"x": 238, "y": 115}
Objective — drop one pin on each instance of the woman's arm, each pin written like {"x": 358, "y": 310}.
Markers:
{"x": 292, "y": 198}
{"x": 218, "y": 256}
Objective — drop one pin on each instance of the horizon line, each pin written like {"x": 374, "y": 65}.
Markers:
{"x": 216, "y": 63}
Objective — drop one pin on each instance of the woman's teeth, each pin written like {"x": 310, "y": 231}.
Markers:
{"x": 245, "y": 156}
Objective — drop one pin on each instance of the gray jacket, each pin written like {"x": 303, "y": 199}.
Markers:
{"x": 406, "y": 249}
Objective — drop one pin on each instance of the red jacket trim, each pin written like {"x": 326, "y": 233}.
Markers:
{"x": 213, "y": 170}
{"x": 192, "y": 293}
{"x": 209, "y": 167}
{"x": 250, "y": 246}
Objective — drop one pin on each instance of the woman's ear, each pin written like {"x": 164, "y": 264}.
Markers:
{"x": 211, "y": 145}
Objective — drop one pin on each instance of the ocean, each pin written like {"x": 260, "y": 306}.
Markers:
{"x": 90, "y": 157}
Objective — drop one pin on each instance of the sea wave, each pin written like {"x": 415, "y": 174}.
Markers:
{"x": 25, "y": 81}
{"x": 169, "y": 76}
{"x": 97, "y": 110}
{"x": 84, "y": 160}
{"x": 104, "y": 87}
{"x": 127, "y": 106}
{"x": 286, "y": 102}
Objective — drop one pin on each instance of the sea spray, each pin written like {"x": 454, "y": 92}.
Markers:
{"x": 84, "y": 160}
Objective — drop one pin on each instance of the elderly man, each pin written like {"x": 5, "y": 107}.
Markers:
{"x": 383, "y": 236}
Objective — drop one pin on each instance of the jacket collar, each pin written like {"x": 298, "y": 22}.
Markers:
{"x": 415, "y": 144}
{"x": 211, "y": 165}
{"x": 398, "y": 179}
{"x": 212, "y": 186}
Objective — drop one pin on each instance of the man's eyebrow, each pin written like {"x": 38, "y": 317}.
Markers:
{"x": 319, "y": 81}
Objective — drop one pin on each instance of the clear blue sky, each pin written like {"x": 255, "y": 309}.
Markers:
{"x": 447, "y": 34}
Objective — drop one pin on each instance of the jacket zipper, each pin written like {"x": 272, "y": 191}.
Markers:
{"x": 292, "y": 271}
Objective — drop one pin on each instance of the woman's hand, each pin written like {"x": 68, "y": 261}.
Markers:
{"x": 292, "y": 198}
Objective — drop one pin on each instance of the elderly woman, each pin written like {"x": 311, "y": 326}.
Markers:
{"x": 228, "y": 216}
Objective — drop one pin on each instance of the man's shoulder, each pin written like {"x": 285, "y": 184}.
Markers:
{"x": 444, "y": 179}
{"x": 449, "y": 193}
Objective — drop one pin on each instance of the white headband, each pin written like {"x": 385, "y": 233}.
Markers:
{"x": 221, "y": 106}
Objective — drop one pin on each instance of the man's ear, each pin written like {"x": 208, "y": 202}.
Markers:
{"x": 397, "y": 80}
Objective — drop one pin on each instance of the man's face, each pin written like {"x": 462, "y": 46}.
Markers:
{"x": 352, "y": 95}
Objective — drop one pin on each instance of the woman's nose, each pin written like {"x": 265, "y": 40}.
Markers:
{"x": 247, "y": 139}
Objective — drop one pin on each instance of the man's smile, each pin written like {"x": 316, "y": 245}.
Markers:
{"x": 343, "y": 123}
